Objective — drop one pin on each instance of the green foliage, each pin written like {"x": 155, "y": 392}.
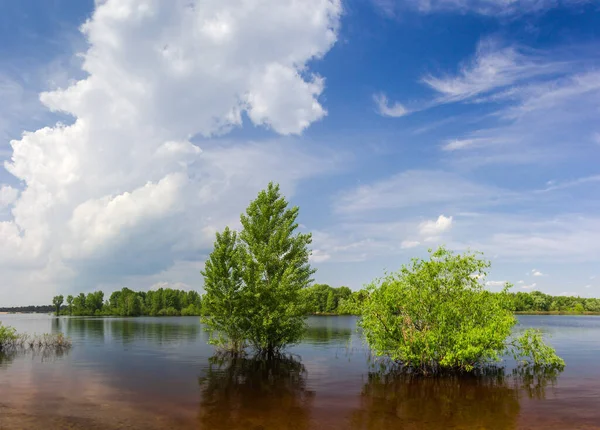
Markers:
{"x": 321, "y": 298}
{"x": 7, "y": 336}
{"x": 254, "y": 280}
{"x": 70, "y": 304}
{"x": 224, "y": 313}
{"x": 57, "y": 301}
{"x": 436, "y": 315}
{"x": 537, "y": 301}
{"x": 127, "y": 302}
{"x": 529, "y": 349}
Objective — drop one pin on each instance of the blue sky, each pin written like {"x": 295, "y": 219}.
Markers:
{"x": 132, "y": 130}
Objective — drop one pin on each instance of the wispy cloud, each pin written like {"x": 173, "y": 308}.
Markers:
{"x": 384, "y": 108}
{"x": 492, "y": 68}
{"x": 496, "y": 8}
{"x": 529, "y": 287}
{"x": 568, "y": 184}
{"x": 407, "y": 244}
{"x": 416, "y": 188}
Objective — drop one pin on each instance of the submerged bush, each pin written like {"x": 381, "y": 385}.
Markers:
{"x": 435, "y": 316}
{"x": 11, "y": 340}
{"x": 8, "y": 335}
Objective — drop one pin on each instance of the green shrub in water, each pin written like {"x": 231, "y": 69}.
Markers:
{"x": 435, "y": 315}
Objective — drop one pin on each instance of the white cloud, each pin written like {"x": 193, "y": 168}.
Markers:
{"x": 521, "y": 282}
{"x": 415, "y": 188}
{"x": 435, "y": 228}
{"x": 8, "y": 195}
{"x": 528, "y": 287}
{"x": 158, "y": 74}
{"x": 384, "y": 108}
{"x": 319, "y": 256}
{"x": 407, "y": 244}
{"x": 535, "y": 272}
{"x": 553, "y": 185}
{"x": 492, "y": 68}
{"x": 587, "y": 286}
{"x": 495, "y": 8}
{"x": 495, "y": 283}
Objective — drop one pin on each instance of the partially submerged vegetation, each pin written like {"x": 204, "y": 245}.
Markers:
{"x": 10, "y": 341}
{"x": 435, "y": 316}
{"x": 432, "y": 316}
{"x": 254, "y": 280}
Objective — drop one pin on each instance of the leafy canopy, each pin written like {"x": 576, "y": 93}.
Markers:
{"x": 254, "y": 280}
{"x": 435, "y": 315}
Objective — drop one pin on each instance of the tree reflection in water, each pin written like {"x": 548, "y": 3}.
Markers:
{"x": 490, "y": 400}
{"x": 241, "y": 392}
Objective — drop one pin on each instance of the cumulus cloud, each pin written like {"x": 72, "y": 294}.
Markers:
{"x": 8, "y": 195}
{"x": 435, "y": 228}
{"x": 384, "y": 108}
{"x": 123, "y": 185}
{"x": 535, "y": 272}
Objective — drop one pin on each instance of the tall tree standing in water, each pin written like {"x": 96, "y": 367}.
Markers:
{"x": 223, "y": 310}
{"x": 263, "y": 271}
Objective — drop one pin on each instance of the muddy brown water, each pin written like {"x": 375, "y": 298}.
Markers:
{"x": 152, "y": 373}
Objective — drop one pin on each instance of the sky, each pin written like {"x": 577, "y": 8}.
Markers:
{"x": 133, "y": 130}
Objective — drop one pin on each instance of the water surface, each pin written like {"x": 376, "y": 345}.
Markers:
{"x": 160, "y": 373}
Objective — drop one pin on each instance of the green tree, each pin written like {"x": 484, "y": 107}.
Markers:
{"x": 264, "y": 271}
{"x": 70, "y": 304}
{"x": 436, "y": 315}
{"x": 275, "y": 270}
{"x": 57, "y": 301}
{"x": 331, "y": 301}
{"x": 223, "y": 310}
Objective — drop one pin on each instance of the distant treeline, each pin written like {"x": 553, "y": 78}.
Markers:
{"x": 30, "y": 309}
{"x": 537, "y": 301}
{"x": 126, "y": 302}
{"x": 319, "y": 298}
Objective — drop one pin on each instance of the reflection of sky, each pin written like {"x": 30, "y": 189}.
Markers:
{"x": 151, "y": 366}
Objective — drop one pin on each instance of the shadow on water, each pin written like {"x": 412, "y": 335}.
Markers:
{"x": 488, "y": 400}
{"x": 254, "y": 393}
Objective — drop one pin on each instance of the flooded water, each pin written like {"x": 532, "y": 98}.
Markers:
{"x": 160, "y": 373}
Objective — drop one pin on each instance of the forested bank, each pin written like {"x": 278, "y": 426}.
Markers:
{"x": 126, "y": 302}
{"x": 320, "y": 299}
{"x": 534, "y": 302}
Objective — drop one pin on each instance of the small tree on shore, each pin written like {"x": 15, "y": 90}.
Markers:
{"x": 254, "y": 280}
{"x": 436, "y": 315}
